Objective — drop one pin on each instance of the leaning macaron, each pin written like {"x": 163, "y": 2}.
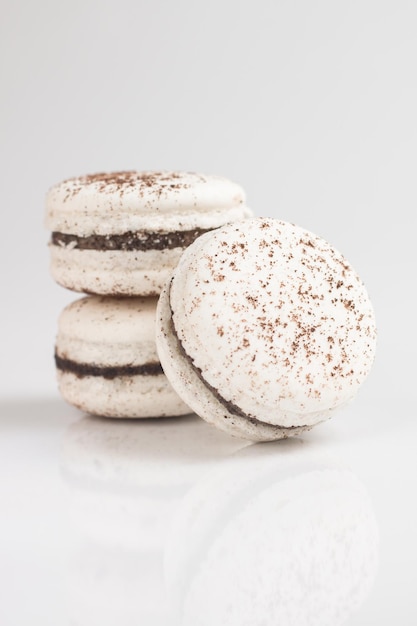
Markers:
{"x": 265, "y": 329}
{"x": 107, "y": 362}
{"x": 122, "y": 233}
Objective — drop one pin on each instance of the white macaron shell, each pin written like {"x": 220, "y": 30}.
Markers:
{"x": 117, "y": 272}
{"x": 150, "y": 201}
{"x": 278, "y": 322}
{"x": 125, "y": 397}
{"x": 108, "y": 331}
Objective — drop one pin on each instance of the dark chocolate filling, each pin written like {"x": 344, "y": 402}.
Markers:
{"x": 108, "y": 372}
{"x": 230, "y": 407}
{"x": 131, "y": 240}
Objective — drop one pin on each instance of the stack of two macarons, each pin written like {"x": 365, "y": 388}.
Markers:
{"x": 117, "y": 237}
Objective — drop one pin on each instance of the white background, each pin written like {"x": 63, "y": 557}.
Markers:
{"x": 309, "y": 105}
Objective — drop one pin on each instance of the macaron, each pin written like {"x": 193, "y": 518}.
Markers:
{"x": 107, "y": 362}
{"x": 265, "y": 329}
{"x": 122, "y": 233}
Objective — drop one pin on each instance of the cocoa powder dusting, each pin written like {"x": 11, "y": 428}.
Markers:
{"x": 156, "y": 182}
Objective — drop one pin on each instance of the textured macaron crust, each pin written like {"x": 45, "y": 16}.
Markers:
{"x": 265, "y": 329}
{"x": 122, "y": 233}
{"x": 107, "y": 362}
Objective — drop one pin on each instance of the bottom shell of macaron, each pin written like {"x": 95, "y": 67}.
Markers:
{"x": 122, "y": 397}
{"x": 114, "y": 272}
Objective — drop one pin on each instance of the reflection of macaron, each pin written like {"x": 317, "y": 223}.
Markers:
{"x": 265, "y": 329}
{"x": 124, "y": 481}
{"x": 107, "y": 362}
{"x": 125, "y": 478}
{"x": 122, "y": 233}
{"x": 271, "y": 540}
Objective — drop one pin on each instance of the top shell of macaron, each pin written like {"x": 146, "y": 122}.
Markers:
{"x": 105, "y": 319}
{"x": 108, "y": 331}
{"x": 274, "y": 318}
{"x": 116, "y": 202}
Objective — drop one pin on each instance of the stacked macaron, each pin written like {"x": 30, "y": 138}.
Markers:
{"x": 118, "y": 237}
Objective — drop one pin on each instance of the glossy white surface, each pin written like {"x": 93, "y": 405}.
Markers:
{"x": 311, "y": 107}
{"x": 173, "y": 523}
